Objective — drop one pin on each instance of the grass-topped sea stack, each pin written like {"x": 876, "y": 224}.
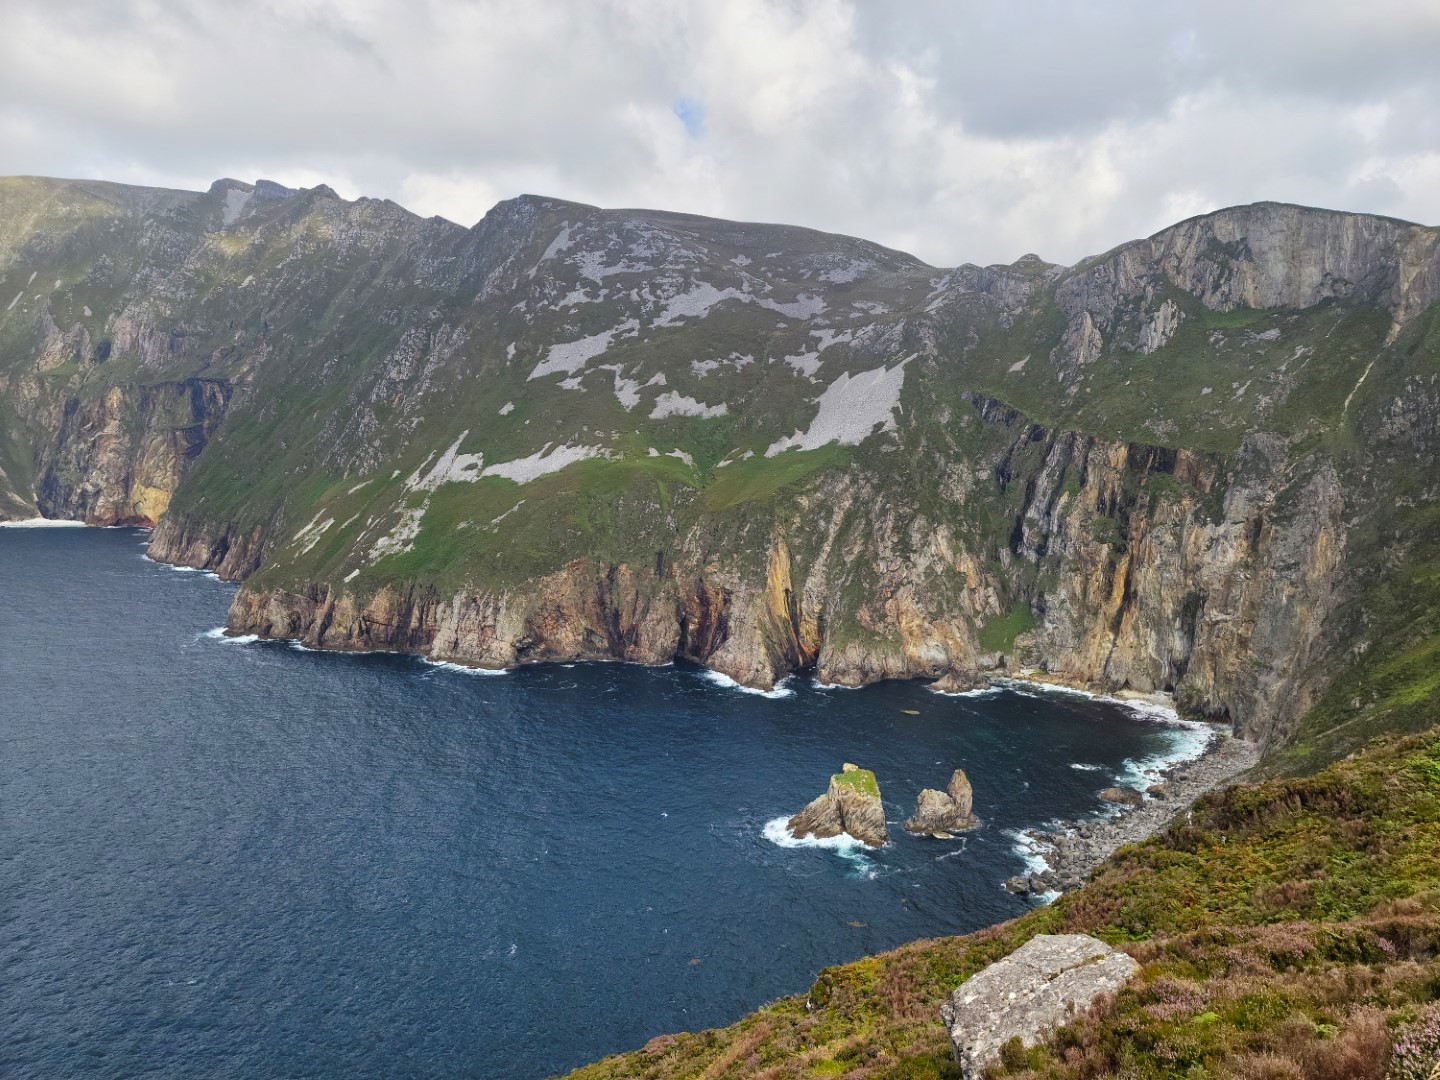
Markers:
{"x": 851, "y": 805}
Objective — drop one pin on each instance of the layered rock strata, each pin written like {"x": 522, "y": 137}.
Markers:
{"x": 851, "y": 805}
{"x": 945, "y": 811}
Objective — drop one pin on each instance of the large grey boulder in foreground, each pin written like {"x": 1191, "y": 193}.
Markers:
{"x": 1037, "y": 988}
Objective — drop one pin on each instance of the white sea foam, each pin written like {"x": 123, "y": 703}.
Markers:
{"x": 1037, "y": 688}
{"x": 720, "y": 679}
{"x": 446, "y": 665}
{"x": 777, "y": 831}
{"x": 818, "y": 685}
{"x": 1029, "y": 850}
{"x": 42, "y": 523}
{"x": 1188, "y": 739}
{"x": 978, "y": 692}
{"x": 174, "y": 568}
{"x": 218, "y": 634}
{"x": 1033, "y": 855}
{"x": 1084, "y": 767}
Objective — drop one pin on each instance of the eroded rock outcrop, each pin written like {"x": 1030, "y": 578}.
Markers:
{"x": 945, "y": 811}
{"x": 229, "y": 551}
{"x": 1042, "y": 985}
{"x": 117, "y": 459}
{"x": 851, "y": 805}
{"x": 1124, "y": 796}
{"x": 1147, "y": 568}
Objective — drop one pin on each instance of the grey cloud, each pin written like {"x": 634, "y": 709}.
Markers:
{"x": 961, "y": 132}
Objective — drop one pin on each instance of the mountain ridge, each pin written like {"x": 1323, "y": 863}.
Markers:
{"x": 567, "y": 432}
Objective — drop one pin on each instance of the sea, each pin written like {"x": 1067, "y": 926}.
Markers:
{"x": 237, "y": 858}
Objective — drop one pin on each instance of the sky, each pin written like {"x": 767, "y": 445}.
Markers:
{"x": 961, "y": 132}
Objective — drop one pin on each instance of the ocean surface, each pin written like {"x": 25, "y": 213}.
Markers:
{"x": 228, "y": 859}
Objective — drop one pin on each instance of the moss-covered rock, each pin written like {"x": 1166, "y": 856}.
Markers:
{"x": 851, "y": 805}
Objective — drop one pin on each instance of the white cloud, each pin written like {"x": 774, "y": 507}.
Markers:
{"x": 962, "y": 133}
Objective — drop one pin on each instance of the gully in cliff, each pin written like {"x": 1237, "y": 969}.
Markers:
{"x": 851, "y": 805}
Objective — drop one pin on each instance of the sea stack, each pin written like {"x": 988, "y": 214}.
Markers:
{"x": 941, "y": 812}
{"x": 850, "y": 805}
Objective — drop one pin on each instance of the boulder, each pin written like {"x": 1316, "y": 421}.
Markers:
{"x": 945, "y": 811}
{"x": 850, "y": 805}
{"x": 1040, "y": 986}
{"x": 1125, "y": 796}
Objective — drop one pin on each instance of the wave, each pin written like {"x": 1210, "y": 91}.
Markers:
{"x": 446, "y": 665}
{"x": 1086, "y": 767}
{"x": 979, "y": 691}
{"x": 181, "y": 569}
{"x": 777, "y": 831}
{"x": 1032, "y": 854}
{"x": 43, "y": 523}
{"x": 721, "y": 679}
{"x": 1188, "y": 741}
{"x": 219, "y": 634}
{"x": 1037, "y": 688}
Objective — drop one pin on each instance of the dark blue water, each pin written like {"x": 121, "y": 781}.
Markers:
{"x": 243, "y": 860}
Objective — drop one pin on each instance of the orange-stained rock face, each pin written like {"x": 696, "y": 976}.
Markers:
{"x": 1226, "y": 613}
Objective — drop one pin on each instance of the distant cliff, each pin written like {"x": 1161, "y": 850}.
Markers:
{"x": 1202, "y": 462}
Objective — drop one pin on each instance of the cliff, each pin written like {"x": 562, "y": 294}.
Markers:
{"x": 1112, "y": 547}
{"x": 1198, "y": 463}
{"x": 117, "y": 459}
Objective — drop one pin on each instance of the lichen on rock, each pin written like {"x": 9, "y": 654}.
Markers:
{"x": 1043, "y": 984}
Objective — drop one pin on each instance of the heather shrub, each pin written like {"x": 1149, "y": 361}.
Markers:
{"x": 1416, "y": 1054}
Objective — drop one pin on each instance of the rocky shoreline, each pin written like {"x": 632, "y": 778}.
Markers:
{"x": 1072, "y": 849}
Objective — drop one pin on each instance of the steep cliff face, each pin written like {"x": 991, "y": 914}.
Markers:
{"x": 117, "y": 459}
{"x": 229, "y": 552}
{"x": 1267, "y": 255}
{"x": 1159, "y": 573}
{"x": 1144, "y": 568}
{"x": 571, "y": 432}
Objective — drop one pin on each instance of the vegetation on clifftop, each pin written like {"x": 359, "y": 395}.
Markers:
{"x": 1287, "y": 929}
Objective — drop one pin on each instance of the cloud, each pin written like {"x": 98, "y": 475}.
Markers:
{"x": 959, "y": 132}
